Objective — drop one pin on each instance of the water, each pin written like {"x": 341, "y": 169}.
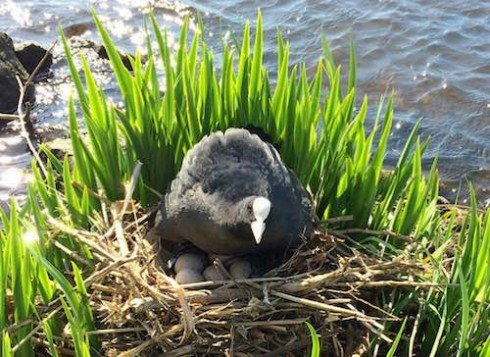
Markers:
{"x": 434, "y": 54}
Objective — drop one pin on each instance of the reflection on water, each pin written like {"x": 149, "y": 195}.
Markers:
{"x": 14, "y": 164}
{"x": 435, "y": 54}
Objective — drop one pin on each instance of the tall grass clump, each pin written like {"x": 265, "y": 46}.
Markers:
{"x": 419, "y": 267}
{"x": 322, "y": 134}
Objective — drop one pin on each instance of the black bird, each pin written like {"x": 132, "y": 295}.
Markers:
{"x": 234, "y": 195}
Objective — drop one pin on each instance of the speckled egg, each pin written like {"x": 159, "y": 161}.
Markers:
{"x": 188, "y": 276}
{"x": 189, "y": 261}
{"x": 214, "y": 273}
{"x": 241, "y": 269}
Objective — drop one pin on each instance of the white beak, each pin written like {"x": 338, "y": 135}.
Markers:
{"x": 258, "y": 229}
{"x": 261, "y": 208}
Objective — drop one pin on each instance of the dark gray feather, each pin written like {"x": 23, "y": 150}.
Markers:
{"x": 205, "y": 202}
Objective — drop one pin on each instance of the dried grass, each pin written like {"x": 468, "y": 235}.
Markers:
{"x": 141, "y": 311}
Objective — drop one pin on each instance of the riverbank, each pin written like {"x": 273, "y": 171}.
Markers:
{"x": 390, "y": 269}
{"x": 437, "y": 67}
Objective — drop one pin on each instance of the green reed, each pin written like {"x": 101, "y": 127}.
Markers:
{"x": 319, "y": 124}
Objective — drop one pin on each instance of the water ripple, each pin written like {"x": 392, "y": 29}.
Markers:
{"x": 435, "y": 54}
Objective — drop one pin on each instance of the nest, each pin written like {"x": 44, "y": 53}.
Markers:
{"x": 141, "y": 311}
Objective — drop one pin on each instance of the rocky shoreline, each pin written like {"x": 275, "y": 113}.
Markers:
{"x": 18, "y": 61}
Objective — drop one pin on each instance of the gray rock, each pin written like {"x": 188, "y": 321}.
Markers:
{"x": 78, "y": 29}
{"x": 10, "y": 67}
{"x": 30, "y": 55}
{"x": 213, "y": 200}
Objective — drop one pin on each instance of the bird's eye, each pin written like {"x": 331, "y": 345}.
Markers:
{"x": 250, "y": 211}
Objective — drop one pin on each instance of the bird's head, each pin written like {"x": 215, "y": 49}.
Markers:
{"x": 257, "y": 211}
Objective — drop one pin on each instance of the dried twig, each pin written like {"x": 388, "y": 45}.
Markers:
{"x": 334, "y": 220}
{"x": 35, "y": 330}
{"x": 144, "y": 311}
{"x": 348, "y": 231}
{"x": 9, "y": 117}
{"x": 23, "y": 90}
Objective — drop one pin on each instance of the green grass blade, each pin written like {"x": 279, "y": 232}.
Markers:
{"x": 315, "y": 341}
{"x": 255, "y": 76}
{"x": 396, "y": 342}
{"x": 6, "y": 346}
{"x": 351, "y": 84}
